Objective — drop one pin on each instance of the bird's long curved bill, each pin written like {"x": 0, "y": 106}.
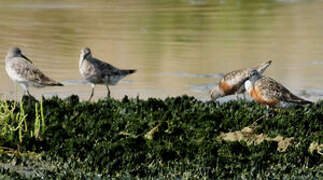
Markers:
{"x": 26, "y": 58}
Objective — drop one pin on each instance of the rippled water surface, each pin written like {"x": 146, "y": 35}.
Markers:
{"x": 178, "y": 46}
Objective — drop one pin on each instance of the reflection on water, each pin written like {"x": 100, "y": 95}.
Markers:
{"x": 178, "y": 46}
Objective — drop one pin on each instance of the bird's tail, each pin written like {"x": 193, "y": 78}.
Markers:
{"x": 58, "y": 84}
{"x": 128, "y": 71}
{"x": 298, "y": 100}
{"x": 53, "y": 83}
{"x": 262, "y": 67}
{"x": 49, "y": 82}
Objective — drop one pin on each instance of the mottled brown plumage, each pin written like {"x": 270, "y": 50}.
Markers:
{"x": 96, "y": 71}
{"x": 267, "y": 91}
{"x": 21, "y": 70}
{"x": 232, "y": 82}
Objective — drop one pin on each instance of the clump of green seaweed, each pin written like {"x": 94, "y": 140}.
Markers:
{"x": 179, "y": 137}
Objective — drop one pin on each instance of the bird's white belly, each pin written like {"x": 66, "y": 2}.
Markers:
{"x": 89, "y": 76}
{"x": 248, "y": 85}
{"x": 13, "y": 74}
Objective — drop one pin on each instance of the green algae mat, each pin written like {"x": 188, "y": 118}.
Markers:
{"x": 175, "y": 138}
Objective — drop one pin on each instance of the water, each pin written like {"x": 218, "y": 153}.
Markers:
{"x": 178, "y": 46}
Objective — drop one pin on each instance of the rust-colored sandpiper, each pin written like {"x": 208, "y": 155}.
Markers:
{"x": 233, "y": 82}
{"x": 267, "y": 91}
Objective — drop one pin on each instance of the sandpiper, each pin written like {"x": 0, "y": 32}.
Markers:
{"x": 267, "y": 91}
{"x": 96, "y": 71}
{"x": 232, "y": 82}
{"x": 22, "y": 71}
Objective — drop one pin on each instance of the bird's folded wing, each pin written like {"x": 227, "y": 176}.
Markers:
{"x": 29, "y": 72}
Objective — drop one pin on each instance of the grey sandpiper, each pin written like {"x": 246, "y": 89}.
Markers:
{"x": 96, "y": 71}
{"x": 22, "y": 71}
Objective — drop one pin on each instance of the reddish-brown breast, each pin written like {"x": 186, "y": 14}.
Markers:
{"x": 256, "y": 94}
{"x": 226, "y": 88}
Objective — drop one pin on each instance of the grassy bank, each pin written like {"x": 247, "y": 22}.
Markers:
{"x": 177, "y": 137}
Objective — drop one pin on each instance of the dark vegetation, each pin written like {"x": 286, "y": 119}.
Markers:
{"x": 166, "y": 139}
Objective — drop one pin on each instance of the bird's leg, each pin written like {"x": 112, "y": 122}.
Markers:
{"x": 16, "y": 92}
{"x": 241, "y": 90}
{"x": 237, "y": 96}
{"x": 30, "y": 98}
{"x": 267, "y": 111}
{"x": 108, "y": 91}
{"x": 244, "y": 96}
{"x": 92, "y": 91}
{"x": 28, "y": 93}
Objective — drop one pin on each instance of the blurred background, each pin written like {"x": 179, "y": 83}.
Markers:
{"x": 178, "y": 46}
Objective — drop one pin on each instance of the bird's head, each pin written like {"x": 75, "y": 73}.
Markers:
{"x": 85, "y": 53}
{"x": 216, "y": 93}
{"x": 16, "y": 52}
